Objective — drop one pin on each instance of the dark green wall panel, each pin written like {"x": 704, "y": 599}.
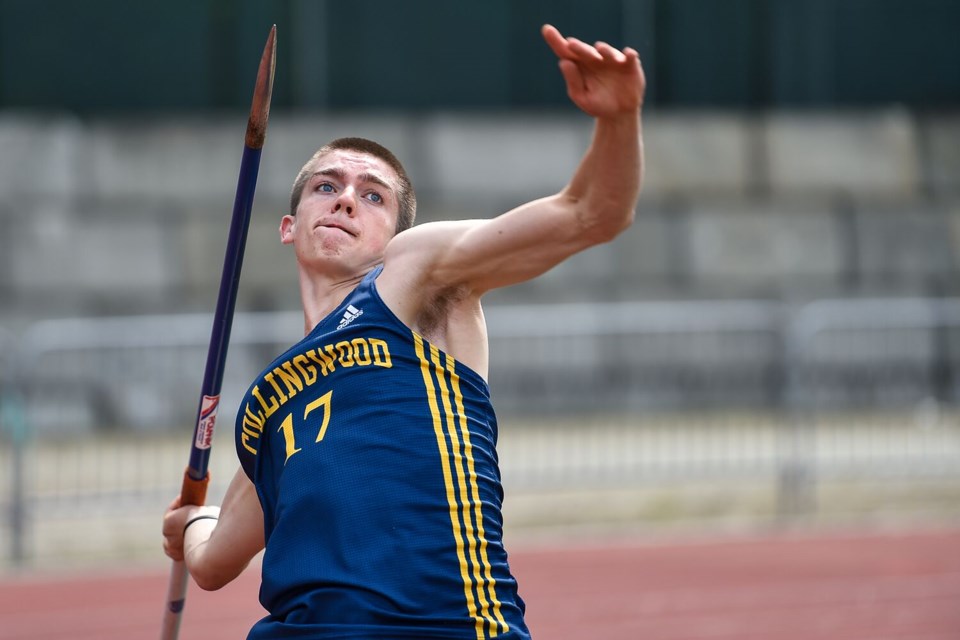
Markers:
{"x": 115, "y": 55}
{"x": 105, "y": 54}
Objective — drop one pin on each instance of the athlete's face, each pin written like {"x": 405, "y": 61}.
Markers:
{"x": 348, "y": 210}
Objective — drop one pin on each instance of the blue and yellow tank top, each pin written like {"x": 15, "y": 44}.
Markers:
{"x": 373, "y": 453}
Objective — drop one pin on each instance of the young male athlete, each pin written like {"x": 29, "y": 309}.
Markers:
{"x": 367, "y": 450}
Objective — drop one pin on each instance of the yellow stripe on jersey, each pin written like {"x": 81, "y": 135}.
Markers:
{"x": 463, "y": 492}
{"x": 448, "y": 482}
{"x": 465, "y": 500}
{"x": 468, "y": 447}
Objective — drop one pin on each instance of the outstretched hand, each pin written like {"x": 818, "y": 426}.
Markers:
{"x": 602, "y": 80}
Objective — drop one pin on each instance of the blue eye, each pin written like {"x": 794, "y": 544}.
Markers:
{"x": 326, "y": 187}
{"x": 376, "y": 197}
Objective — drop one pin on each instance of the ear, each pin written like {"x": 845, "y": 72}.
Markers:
{"x": 287, "y": 224}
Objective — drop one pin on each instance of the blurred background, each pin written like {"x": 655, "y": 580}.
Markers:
{"x": 773, "y": 345}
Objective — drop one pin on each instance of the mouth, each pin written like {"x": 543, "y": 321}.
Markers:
{"x": 334, "y": 225}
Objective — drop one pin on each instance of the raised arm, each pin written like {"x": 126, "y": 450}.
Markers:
{"x": 609, "y": 85}
{"x": 596, "y": 205}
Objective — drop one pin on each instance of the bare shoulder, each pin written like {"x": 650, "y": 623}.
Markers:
{"x": 428, "y": 241}
{"x": 415, "y": 260}
{"x": 416, "y": 286}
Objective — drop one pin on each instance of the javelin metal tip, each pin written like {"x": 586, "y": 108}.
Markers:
{"x": 263, "y": 90}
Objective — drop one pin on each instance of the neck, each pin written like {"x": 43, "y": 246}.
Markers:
{"x": 321, "y": 294}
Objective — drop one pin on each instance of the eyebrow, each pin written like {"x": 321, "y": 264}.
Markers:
{"x": 364, "y": 177}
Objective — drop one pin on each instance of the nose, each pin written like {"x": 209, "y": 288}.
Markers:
{"x": 346, "y": 202}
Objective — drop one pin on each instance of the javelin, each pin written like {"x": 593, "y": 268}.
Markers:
{"x": 196, "y": 477}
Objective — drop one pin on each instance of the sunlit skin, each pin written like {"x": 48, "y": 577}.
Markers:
{"x": 435, "y": 274}
{"x": 346, "y": 216}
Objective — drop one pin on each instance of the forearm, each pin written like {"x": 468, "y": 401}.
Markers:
{"x": 198, "y": 552}
{"x": 606, "y": 185}
{"x": 217, "y": 543}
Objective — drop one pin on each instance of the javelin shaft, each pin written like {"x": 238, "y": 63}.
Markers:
{"x": 223, "y": 316}
{"x": 196, "y": 477}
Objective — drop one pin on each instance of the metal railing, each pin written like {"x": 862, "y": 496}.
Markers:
{"x": 596, "y": 394}
{"x": 14, "y": 434}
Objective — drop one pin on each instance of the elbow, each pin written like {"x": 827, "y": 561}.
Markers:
{"x": 211, "y": 576}
{"x": 609, "y": 227}
{"x": 624, "y": 223}
{"x": 209, "y": 580}
{"x": 211, "y": 586}
{"x": 600, "y": 220}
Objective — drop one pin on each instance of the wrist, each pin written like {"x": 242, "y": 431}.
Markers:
{"x": 209, "y": 513}
{"x": 621, "y": 120}
{"x": 197, "y": 518}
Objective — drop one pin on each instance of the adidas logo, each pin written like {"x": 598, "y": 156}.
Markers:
{"x": 351, "y": 314}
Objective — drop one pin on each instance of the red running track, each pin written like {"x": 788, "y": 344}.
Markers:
{"x": 903, "y": 586}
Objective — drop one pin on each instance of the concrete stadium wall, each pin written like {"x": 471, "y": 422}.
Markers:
{"x": 124, "y": 216}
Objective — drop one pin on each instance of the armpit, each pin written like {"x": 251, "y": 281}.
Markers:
{"x": 433, "y": 319}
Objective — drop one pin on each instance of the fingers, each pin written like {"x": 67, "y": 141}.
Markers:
{"x": 173, "y": 521}
{"x": 569, "y": 48}
{"x": 610, "y": 54}
{"x": 173, "y": 549}
{"x": 572, "y": 77}
{"x": 173, "y": 536}
{"x": 583, "y": 52}
{"x": 555, "y": 41}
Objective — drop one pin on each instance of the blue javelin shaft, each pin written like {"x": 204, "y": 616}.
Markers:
{"x": 193, "y": 492}
{"x": 226, "y": 303}
{"x": 195, "y": 478}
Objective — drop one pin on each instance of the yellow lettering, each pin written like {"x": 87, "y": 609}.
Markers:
{"x": 268, "y": 409}
{"x": 251, "y": 424}
{"x": 276, "y": 387}
{"x": 256, "y": 419}
{"x": 381, "y": 353}
{"x": 290, "y": 379}
{"x": 322, "y": 401}
{"x": 303, "y": 370}
{"x": 331, "y": 354}
{"x": 361, "y": 351}
{"x": 307, "y": 370}
{"x": 326, "y": 363}
{"x": 287, "y": 429}
{"x": 250, "y": 432}
{"x": 346, "y": 354}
